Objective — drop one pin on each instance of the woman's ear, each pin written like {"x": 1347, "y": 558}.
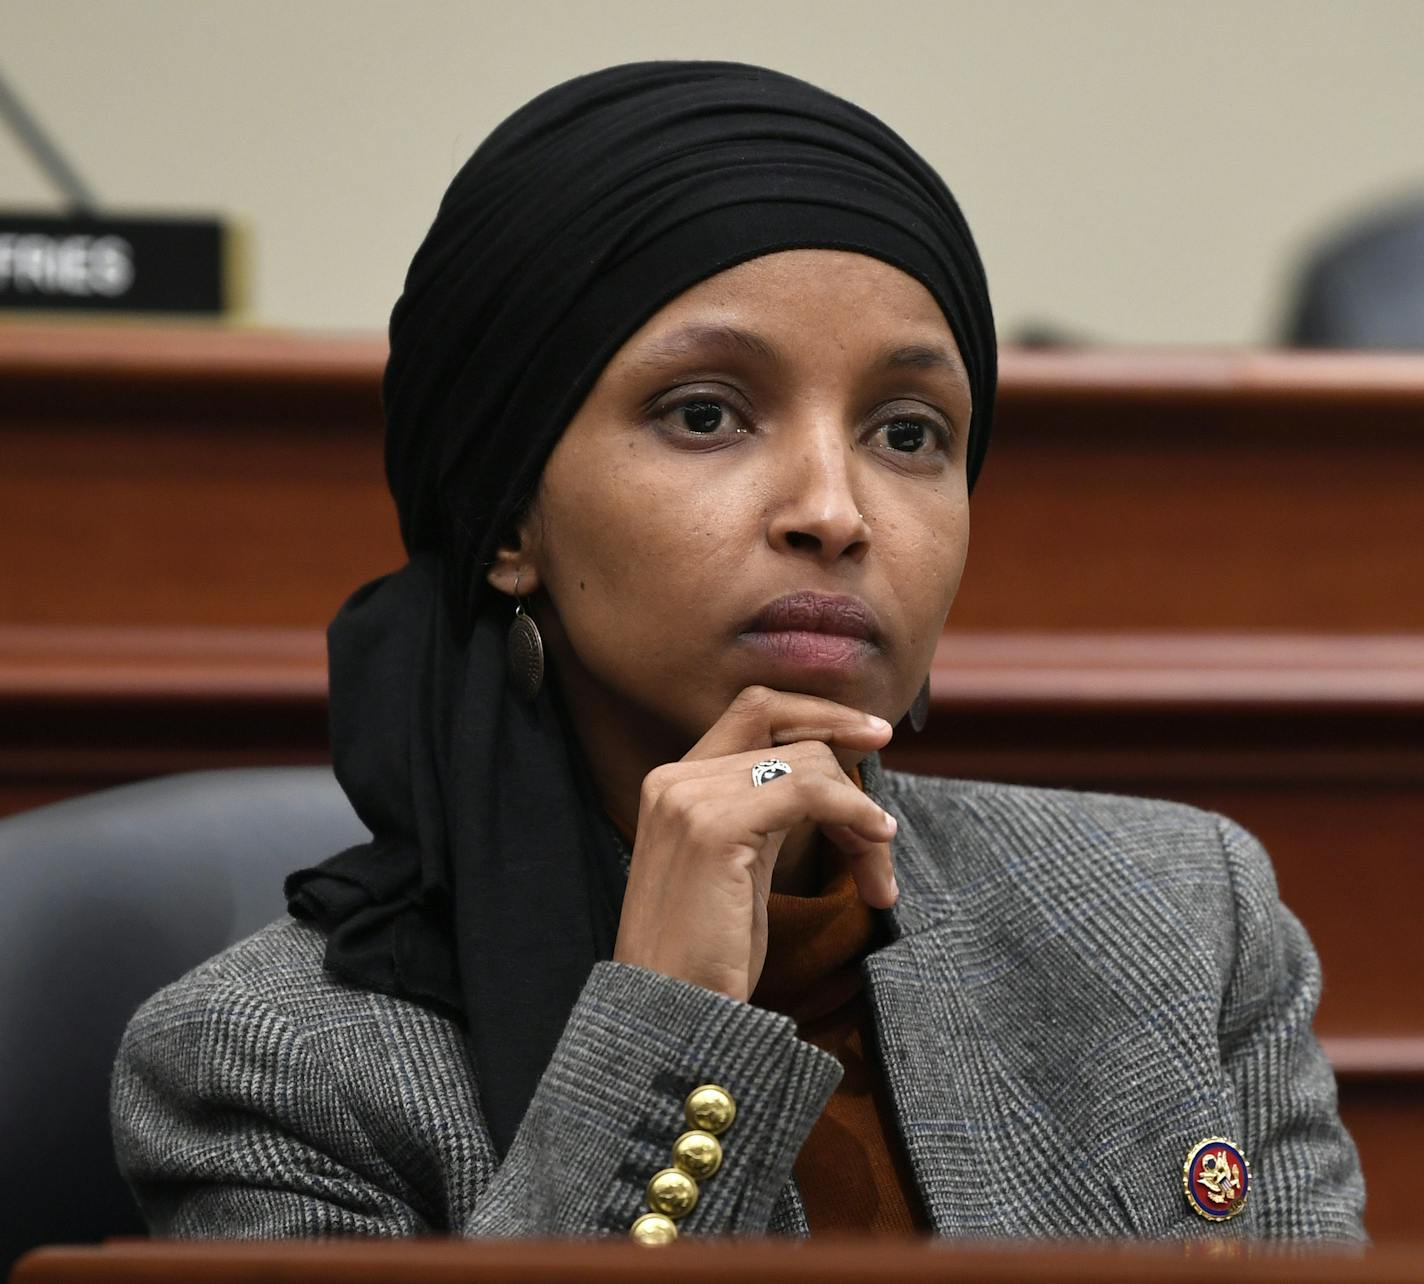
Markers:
{"x": 515, "y": 569}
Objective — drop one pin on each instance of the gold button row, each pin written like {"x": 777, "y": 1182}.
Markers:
{"x": 696, "y": 1155}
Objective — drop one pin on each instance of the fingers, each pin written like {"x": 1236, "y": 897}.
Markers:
{"x": 760, "y": 717}
{"x": 736, "y": 769}
{"x": 871, "y": 865}
{"x": 816, "y": 791}
{"x": 849, "y": 819}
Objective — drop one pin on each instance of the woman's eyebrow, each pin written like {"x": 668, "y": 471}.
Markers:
{"x": 691, "y": 339}
{"x": 923, "y": 356}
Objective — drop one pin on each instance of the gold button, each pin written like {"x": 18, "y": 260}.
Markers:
{"x": 710, "y": 1108}
{"x": 652, "y": 1228}
{"x": 697, "y": 1153}
{"x": 672, "y": 1192}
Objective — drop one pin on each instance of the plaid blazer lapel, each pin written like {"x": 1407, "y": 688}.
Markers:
{"x": 990, "y": 1155}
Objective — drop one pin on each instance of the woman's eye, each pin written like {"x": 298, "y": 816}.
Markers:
{"x": 710, "y": 419}
{"x": 702, "y": 416}
{"x": 908, "y": 435}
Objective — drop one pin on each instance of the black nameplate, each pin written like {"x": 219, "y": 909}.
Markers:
{"x": 96, "y": 264}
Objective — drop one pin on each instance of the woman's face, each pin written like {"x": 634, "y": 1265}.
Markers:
{"x": 766, "y": 485}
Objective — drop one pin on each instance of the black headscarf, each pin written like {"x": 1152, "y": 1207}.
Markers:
{"x": 494, "y": 880}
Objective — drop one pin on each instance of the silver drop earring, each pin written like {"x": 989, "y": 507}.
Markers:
{"x": 920, "y": 710}
{"x": 526, "y": 651}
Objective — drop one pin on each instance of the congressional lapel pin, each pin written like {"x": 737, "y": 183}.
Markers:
{"x": 1216, "y": 1179}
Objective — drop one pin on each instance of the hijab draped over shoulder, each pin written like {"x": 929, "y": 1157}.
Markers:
{"x": 493, "y": 880}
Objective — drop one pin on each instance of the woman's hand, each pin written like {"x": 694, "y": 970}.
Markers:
{"x": 708, "y": 841}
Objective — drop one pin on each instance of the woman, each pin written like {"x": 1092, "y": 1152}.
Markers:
{"x": 688, "y": 387}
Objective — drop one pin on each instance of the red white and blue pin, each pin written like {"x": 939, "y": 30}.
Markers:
{"x": 1216, "y": 1179}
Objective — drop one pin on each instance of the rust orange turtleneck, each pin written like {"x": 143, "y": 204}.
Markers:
{"x": 852, "y": 1170}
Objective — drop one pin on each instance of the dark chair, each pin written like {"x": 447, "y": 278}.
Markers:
{"x": 1364, "y": 287}
{"x": 103, "y": 900}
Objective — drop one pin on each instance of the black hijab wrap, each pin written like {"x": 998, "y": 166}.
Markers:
{"x": 493, "y": 881}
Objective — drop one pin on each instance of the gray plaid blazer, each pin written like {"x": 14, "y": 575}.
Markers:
{"x": 1080, "y": 987}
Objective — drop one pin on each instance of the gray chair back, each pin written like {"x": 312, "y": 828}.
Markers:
{"x": 104, "y": 899}
{"x": 1364, "y": 287}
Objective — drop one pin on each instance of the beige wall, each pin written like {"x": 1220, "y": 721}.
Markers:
{"x": 1135, "y": 171}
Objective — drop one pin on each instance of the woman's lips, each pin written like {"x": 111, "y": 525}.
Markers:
{"x": 814, "y": 631}
{"x": 811, "y": 650}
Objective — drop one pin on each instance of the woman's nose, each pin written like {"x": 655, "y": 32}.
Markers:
{"x": 818, "y": 513}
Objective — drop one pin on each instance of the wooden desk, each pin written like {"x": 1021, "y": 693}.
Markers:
{"x": 154, "y": 476}
{"x": 1201, "y": 491}
{"x": 819, "y": 1261}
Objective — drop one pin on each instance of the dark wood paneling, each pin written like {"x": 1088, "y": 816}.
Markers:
{"x": 1201, "y": 491}
{"x": 152, "y": 476}
{"x": 84, "y": 709}
{"x": 1385, "y": 1116}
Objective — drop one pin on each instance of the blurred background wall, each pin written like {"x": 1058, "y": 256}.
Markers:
{"x": 1135, "y": 172}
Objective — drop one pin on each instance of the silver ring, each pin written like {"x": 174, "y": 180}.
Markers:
{"x": 769, "y": 769}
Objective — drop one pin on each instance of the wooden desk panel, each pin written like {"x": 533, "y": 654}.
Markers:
{"x": 152, "y": 477}
{"x": 1208, "y": 491}
{"x": 831, "y": 1260}
{"x": 1385, "y": 1116}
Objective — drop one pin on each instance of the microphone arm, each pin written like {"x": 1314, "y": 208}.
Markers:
{"x": 46, "y": 155}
